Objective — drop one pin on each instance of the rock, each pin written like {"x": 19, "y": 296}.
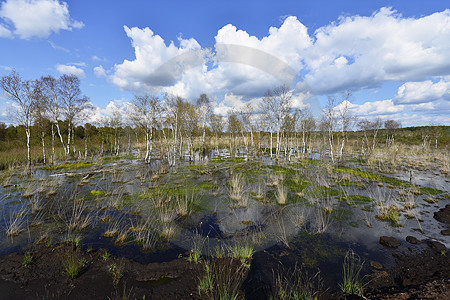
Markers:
{"x": 389, "y": 241}
{"x": 443, "y": 215}
{"x": 376, "y": 265}
{"x": 412, "y": 240}
{"x": 445, "y": 232}
{"x": 436, "y": 246}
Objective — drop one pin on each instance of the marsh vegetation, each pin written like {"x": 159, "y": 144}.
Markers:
{"x": 291, "y": 220}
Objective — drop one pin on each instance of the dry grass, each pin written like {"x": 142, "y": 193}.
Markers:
{"x": 281, "y": 194}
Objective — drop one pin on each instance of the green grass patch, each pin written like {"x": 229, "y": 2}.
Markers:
{"x": 72, "y": 166}
{"x": 352, "y": 282}
{"x": 282, "y": 170}
{"x": 109, "y": 158}
{"x": 27, "y": 259}
{"x": 390, "y": 215}
{"x": 208, "y": 185}
{"x": 356, "y": 172}
{"x": 323, "y": 191}
{"x": 97, "y": 193}
{"x": 296, "y": 184}
{"x": 372, "y": 176}
{"x": 356, "y": 199}
{"x": 430, "y": 191}
{"x": 242, "y": 252}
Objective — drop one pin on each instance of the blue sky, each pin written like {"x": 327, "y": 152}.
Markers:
{"x": 393, "y": 55}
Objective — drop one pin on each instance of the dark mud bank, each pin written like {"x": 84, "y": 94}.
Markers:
{"x": 43, "y": 273}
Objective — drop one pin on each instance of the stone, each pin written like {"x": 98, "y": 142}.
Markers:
{"x": 445, "y": 232}
{"x": 376, "y": 265}
{"x": 443, "y": 215}
{"x": 389, "y": 241}
{"x": 412, "y": 240}
{"x": 435, "y": 245}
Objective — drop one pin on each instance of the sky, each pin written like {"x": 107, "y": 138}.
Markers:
{"x": 393, "y": 56}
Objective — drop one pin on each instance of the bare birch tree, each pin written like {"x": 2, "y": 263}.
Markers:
{"x": 24, "y": 93}
{"x": 346, "y": 119}
{"x": 275, "y": 105}
{"x": 72, "y": 103}
{"x": 41, "y": 117}
{"x": 204, "y": 109}
{"x": 142, "y": 113}
{"x": 51, "y": 97}
{"x": 329, "y": 117}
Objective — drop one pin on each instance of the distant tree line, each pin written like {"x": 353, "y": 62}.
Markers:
{"x": 55, "y": 111}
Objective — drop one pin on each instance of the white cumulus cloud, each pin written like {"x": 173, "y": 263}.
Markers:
{"x": 99, "y": 71}
{"x": 37, "y": 18}
{"x": 371, "y": 109}
{"x": 152, "y": 66}
{"x": 242, "y": 64}
{"x": 359, "y": 52}
{"x": 354, "y": 53}
{"x": 71, "y": 70}
{"x": 423, "y": 92}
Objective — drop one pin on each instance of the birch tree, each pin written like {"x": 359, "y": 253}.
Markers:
{"x": 217, "y": 126}
{"x": 25, "y": 94}
{"x": 329, "y": 116}
{"x": 174, "y": 112}
{"x": 204, "y": 109}
{"x": 50, "y": 91}
{"x": 346, "y": 119}
{"x": 142, "y": 113}
{"x": 370, "y": 127}
{"x": 72, "y": 103}
{"x": 268, "y": 116}
{"x": 244, "y": 115}
{"x": 190, "y": 117}
{"x": 41, "y": 118}
{"x": 275, "y": 105}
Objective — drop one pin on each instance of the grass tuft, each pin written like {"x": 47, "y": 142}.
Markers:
{"x": 351, "y": 281}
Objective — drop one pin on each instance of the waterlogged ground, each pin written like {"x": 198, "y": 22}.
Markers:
{"x": 299, "y": 213}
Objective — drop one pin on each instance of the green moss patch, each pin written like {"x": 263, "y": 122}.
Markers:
{"x": 282, "y": 170}
{"x": 296, "y": 184}
{"x": 430, "y": 191}
{"x": 72, "y": 166}
{"x": 97, "y": 193}
{"x": 323, "y": 191}
{"x": 208, "y": 185}
{"x": 356, "y": 199}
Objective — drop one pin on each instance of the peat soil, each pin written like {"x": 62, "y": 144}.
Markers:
{"x": 98, "y": 277}
{"x": 423, "y": 274}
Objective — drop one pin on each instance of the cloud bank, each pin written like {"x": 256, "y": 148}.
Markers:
{"x": 35, "y": 18}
